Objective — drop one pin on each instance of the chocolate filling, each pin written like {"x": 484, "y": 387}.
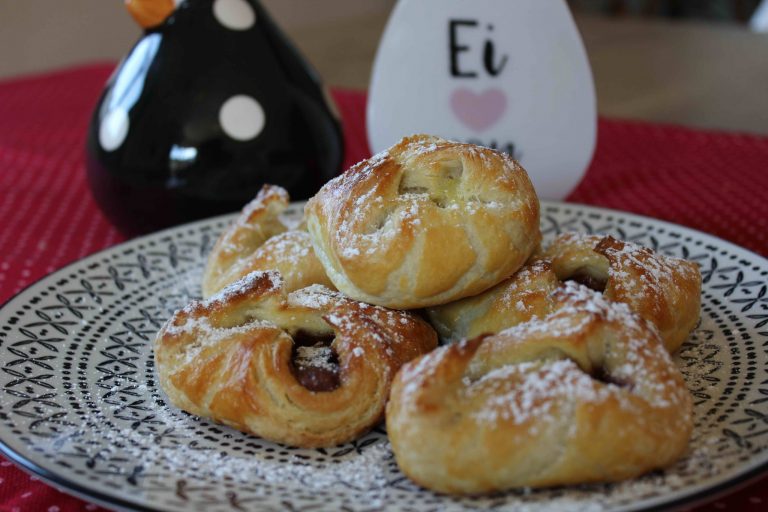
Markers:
{"x": 314, "y": 362}
{"x": 583, "y": 277}
{"x": 600, "y": 375}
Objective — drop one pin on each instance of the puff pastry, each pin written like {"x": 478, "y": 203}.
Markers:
{"x": 525, "y": 295}
{"x": 259, "y": 240}
{"x": 424, "y": 223}
{"x": 666, "y": 291}
{"x": 308, "y": 368}
{"x": 586, "y": 394}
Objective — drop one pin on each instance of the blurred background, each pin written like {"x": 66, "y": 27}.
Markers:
{"x": 699, "y": 63}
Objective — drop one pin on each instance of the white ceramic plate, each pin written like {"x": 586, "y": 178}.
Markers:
{"x": 80, "y": 406}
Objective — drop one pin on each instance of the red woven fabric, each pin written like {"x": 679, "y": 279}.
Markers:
{"x": 711, "y": 181}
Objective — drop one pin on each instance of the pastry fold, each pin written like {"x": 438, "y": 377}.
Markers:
{"x": 585, "y": 394}
{"x": 665, "y": 291}
{"x": 248, "y": 357}
{"x": 259, "y": 239}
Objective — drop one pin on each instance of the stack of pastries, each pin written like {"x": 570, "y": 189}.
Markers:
{"x": 555, "y": 363}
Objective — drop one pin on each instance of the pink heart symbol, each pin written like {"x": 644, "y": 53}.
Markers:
{"x": 478, "y": 111}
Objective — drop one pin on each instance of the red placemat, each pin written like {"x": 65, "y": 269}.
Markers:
{"x": 711, "y": 181}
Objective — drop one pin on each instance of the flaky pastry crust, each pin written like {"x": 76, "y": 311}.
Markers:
{"x": 587, "y": 394}
{"x": 525, "y": 295}
{"x": 665, "y": 291}
{"x": 231, "y": 358}
{"x": 259, "y": 240}
{"x": 424, "y": 223}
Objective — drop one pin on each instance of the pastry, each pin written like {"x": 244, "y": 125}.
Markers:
{"x": 308, "y": 368}
{"x": 666, "y": 291}
{"x": 424, "y": 223}
{"x": 525, "y": 295}
{"x": 585, "y": 394}
{"x": 260, "y": 240}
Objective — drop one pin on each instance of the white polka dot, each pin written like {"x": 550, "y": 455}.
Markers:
{"x": 54, "y": 508}
{"x": 234, "y": 14}
{"x": 113, "y": 129}
{"x": 241, "y": 117}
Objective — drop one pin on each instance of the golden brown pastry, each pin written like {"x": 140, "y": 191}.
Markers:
{"x": 525, "y": 295}
{"x": 424, "y": 223}
{"x": 259, "y": 240}
{"x": 587, "y": 394}
{"x": 666, "y": 291}
{"x": 308, "y": 368}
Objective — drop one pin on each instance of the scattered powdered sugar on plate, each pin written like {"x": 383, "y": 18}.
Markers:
{"x": 204, "y": 459}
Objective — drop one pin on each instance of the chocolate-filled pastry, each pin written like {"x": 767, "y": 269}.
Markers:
{"x": 259, "y": 240}
{"x": 666, "y": 291}
{"x": 586, "y": 394}
{"x": 308, "y": 368}
{"x": 424, "y": 223}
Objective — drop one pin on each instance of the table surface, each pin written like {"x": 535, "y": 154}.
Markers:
{"x": 711, "y": 181}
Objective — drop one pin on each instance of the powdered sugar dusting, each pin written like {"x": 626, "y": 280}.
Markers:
{"x": 256, "y": 218}
{"x": 316, "y": 356}
{"x": 537, "y": 384}
{"x": 656, "y": 271}
{"x": 387, "y": 198}
{"x": 316, "y": 297}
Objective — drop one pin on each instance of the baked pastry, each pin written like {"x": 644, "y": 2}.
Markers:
{"x": 586, "y": 394}
{"x": 260, "y": 240}
{"x": 424, "y": 223}
{"x": 522, "y": 297}
{"x": 308, "y": 368}
{"x": 666, "y": 291}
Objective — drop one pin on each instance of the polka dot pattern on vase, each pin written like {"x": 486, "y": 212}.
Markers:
{"x": 242, "y": 117}
{"x": 234, "y": 14}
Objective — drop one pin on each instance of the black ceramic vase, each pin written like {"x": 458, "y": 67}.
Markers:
{"x": 209, "y": 105}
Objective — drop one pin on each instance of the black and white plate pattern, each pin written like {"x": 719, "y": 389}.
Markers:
{"x": 80, "y": 406}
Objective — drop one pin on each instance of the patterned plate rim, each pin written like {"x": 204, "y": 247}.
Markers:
{"x": 689, "y": 498}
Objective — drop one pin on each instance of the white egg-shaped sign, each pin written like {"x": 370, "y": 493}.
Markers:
{"x": 508, "y": 74}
